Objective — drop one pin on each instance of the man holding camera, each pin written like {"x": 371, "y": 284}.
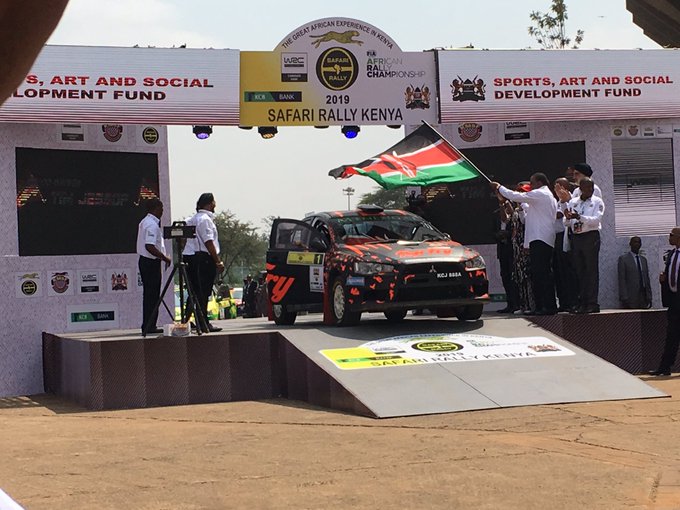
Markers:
{"x": 151, "y": 251}
{"x": 206, "y": 257}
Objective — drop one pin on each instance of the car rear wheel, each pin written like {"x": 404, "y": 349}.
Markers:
{"x": 395, "y": 315}
{"x": 341, "y": 315}
{"x": 470, "y": 313}
{"x": 282, "y": 317}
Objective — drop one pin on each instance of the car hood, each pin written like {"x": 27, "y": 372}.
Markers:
{"x": 408, "y": 252}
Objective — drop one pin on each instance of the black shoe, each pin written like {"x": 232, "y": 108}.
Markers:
{"x": 153, "y": 330}
{"x": 659, "y": 372}
{"x": 546, "y": 312}
{"x": 593, "y": 309}
{"x": 213, "y": 329}
{"x": 507, "y": 309}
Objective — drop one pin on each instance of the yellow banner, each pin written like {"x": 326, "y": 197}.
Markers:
{"x": 304, "y": 258}
{"x": 361, "y": 357}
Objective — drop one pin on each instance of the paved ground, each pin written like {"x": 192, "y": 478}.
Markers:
{"x": 282, "y": 454}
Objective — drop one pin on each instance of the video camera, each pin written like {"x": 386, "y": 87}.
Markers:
{"x": 179, "y": 230}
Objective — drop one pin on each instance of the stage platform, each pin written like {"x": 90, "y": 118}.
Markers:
{"x": 252, "y": 359}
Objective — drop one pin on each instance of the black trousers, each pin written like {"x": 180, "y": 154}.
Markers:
{"x": 192, "y": 274}
{"x": 542, "y": 279}
{"x": 586, "y": 257}
{"x": 206, "y": 272}
{"x": 670, "y": 350}
{"x": 566, "y": 281}
{"x": 150, "y": 271}
{"x": 505, "y": 260}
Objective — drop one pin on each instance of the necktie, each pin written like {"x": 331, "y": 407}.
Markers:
{"x": 639, "y": 266}
{"x": 674, "y": 270}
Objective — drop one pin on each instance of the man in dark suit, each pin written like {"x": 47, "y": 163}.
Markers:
{"x": 670, "y": 297}
{"x": 634, "y": 288}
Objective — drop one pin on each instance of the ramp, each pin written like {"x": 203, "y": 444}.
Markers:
{"x": 379, "y": 369}
{"x": 404, "y": 390}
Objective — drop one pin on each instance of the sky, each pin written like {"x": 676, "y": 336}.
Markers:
{"x": 287, "y": 176}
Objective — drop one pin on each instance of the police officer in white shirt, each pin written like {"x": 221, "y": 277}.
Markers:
{"x": 207, "y": 250}
{"x": 151, "y": 251}
{"x": 539, "y": 237}
{"x": 583, "y": 217}
{"x": 670, "y": 297}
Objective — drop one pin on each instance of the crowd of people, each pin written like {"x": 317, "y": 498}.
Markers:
{"x": 549, "y": 243}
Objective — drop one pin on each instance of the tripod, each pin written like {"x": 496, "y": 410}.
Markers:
{"x": 180, "y": 268}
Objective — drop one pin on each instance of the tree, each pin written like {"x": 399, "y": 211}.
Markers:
{"x": 549, "y": 28}
{"x": 386, "y": 198}
{"x": 241, "y": 246}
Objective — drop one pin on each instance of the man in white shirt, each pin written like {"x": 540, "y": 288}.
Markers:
{"x": 583, "y": 217}
{"x": 580, "y": 171}
{"x": 207, "y": 250}
{"x": 670, "y": 297}
{"x": 539, "y": 237}
{"x": 151, "y": 251}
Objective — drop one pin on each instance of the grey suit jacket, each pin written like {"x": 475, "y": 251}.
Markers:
{"x": 629, "y": 282}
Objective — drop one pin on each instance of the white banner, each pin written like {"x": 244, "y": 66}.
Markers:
{"x": 411, "y": 350}
{"x": 128, "y": 86}
{"x": 558, "y": 85}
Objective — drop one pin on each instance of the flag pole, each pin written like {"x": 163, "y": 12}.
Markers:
{"x": 454, "y": 148}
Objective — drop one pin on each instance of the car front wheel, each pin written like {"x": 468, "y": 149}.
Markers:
{"x": 341, "y": 315}
{"x": 470, "y": 313}
{"x": 395, "y": 315}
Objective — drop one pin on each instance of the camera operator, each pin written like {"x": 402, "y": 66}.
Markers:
{"x": 151, "y": 251}
{"x": 207, "y": 249}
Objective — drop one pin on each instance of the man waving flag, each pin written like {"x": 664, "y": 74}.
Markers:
{"x": 422, "y": 158}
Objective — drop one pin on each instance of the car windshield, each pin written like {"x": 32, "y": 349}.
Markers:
{"x": 384, "y": 228}
{"x": 237, "y": 293}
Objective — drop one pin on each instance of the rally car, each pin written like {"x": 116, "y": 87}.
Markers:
{"x": 370, "y": 260}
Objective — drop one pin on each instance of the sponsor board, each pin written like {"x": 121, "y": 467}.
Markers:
{"x": 28, "y": 284}
{"x": 92, "y": 317}
{"x": 337, "y": 71}
{"x": 89, "y": 281}
{"x": 304, "y": 258}
{"x": 118, "y": 280}
{"x": 131, "y": 85}
{"x": 521, "y": 85}
{"x": 316, "y": 278}
{"x": 60, "y": 283}
{"x": 442, "y": 348}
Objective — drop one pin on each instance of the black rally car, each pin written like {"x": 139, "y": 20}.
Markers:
{"x": 370, "y": 260}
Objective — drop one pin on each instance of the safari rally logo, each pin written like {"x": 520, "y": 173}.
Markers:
{"x": 337, "y": 68}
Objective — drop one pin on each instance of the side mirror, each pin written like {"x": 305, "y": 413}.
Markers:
{"x": 318, "y": 244}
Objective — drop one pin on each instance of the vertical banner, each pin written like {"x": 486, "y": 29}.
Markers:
{"x": 337, "y": 71}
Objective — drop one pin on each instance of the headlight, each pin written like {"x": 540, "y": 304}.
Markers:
{"x": 372, "y": 268}
{"x": 475, "y": 263}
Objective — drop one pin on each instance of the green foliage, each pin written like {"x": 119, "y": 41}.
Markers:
{"x": 549, "y": 28}
{"x": 386, "y": 198}
{"x": 241, "y": 245}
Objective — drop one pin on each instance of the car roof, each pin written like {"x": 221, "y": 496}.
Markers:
{"x": 360, "y": 213}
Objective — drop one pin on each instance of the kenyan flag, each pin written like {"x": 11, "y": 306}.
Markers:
{"x": 420, "y": 159}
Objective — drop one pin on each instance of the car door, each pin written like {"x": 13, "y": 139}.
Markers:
{"x": 295, "y": 261}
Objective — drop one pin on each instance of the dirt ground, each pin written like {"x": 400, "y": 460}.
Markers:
{"x": 282, "y": 454}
